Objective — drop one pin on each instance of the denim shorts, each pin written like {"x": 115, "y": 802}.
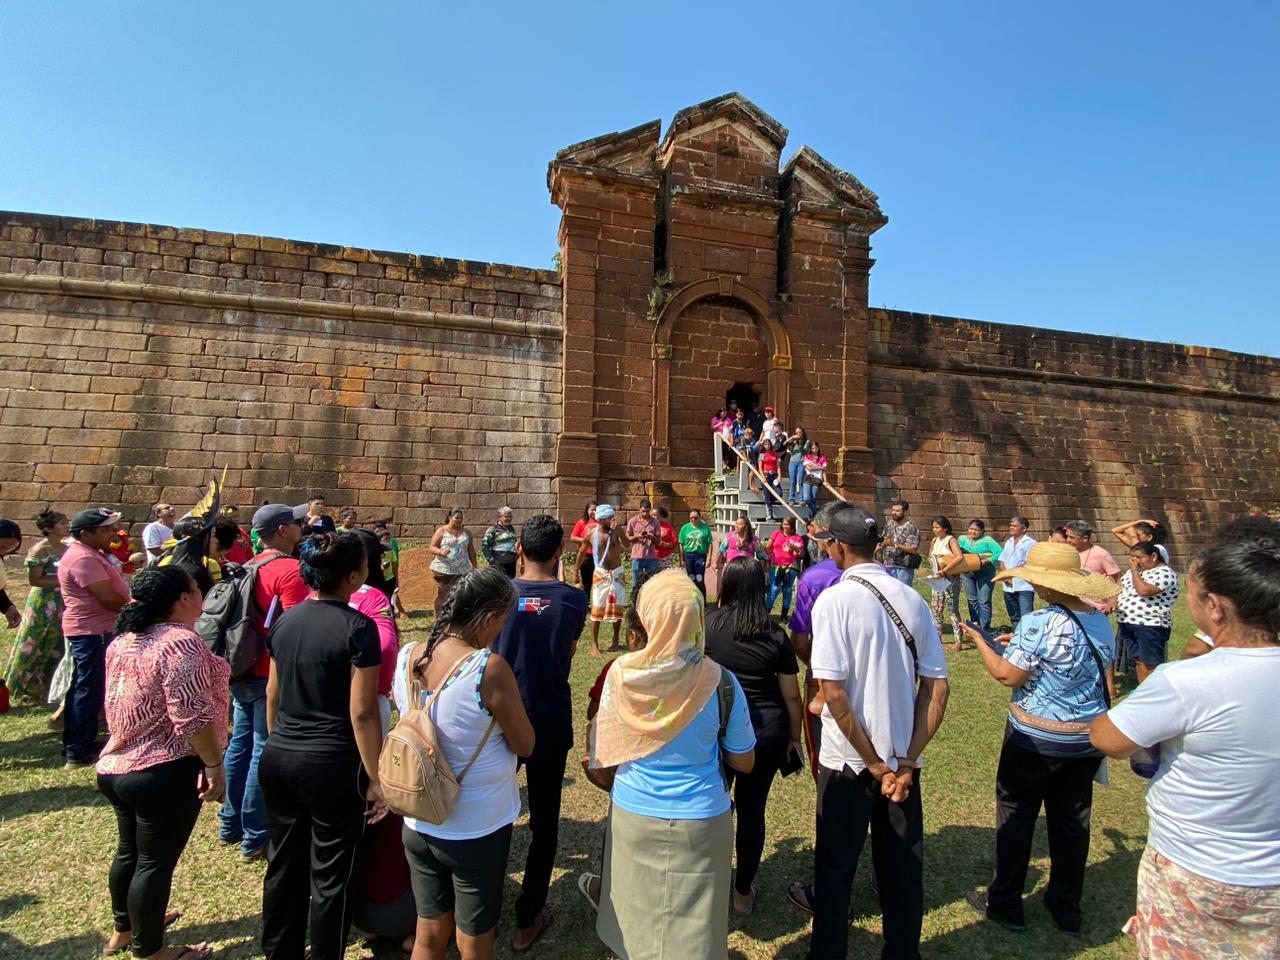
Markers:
{"x": 1147, "y": 645}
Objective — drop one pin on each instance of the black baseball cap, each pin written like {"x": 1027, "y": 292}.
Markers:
{"x": 854, "y": 526}
{"x": 273, "y": 515}
{"x": 93, "y": 517}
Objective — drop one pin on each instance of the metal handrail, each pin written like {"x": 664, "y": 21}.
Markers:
{"x": 745, "y": 461}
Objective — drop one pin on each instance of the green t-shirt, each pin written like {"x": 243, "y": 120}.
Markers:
{"x": 986, "y": 548}
{"x": 695, "y": 539}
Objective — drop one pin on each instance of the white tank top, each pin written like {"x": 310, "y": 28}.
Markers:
{"x": 490, "y": 797}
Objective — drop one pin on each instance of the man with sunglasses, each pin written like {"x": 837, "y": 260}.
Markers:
{"x": 278, "y": 587}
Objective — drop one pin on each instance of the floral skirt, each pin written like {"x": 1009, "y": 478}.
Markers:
{"x": 944, "y": 600}
{"x": 37, "y": 648}
{"x": 1184, "y": 916}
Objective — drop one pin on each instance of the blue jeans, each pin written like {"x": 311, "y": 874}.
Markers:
{"x": 977, "y": 590}
{"x": 770, "y": 481}
{"x": 905, "y": 574}
{"x": 810, "y": 491}
{"x": 638, "y": 567}
{"x": 1019, "y": 603}
{"x": 85, "y": 697}
{"x": 695, "y": 565}
{"x": 781, "y": 580}
{"x": 795, "y": 474}
{"x": 244, "y": 812}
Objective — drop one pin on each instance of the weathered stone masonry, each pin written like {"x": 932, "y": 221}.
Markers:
{"x": 693, "y": 263}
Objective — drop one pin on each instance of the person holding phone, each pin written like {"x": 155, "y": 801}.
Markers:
{"x": 744, "y": 639}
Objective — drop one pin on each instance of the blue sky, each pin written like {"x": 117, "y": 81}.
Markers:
{"x": 1106, "y": 167}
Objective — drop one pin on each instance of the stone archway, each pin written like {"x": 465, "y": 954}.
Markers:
{"x": 768, "y": 357}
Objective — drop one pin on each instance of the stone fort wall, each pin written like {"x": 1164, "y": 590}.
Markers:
{"x": 141, "y": 358}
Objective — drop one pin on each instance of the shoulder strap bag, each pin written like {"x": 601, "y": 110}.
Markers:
{"x": 893, "y": 615}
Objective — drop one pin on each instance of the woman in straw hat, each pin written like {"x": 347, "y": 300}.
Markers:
{"x": 1056, "y": 665}
{"x": 662, "y": 712}
{"x": 1209, "y": 881}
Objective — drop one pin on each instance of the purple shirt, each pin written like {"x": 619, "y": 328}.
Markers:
{"x": 812, "y": 582}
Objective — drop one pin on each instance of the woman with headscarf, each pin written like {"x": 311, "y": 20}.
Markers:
{"x": 659, "y": 727}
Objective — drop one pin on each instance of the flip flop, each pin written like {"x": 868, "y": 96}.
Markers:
{"x": 584, "y": 888}
{"x": 170, "y": 918}
{"x": 544, "y": 918}
{"x": 751, "y": 903}
{"x": 801, "y": 895}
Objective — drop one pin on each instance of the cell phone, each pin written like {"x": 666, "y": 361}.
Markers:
{"x": 793, "y": 763}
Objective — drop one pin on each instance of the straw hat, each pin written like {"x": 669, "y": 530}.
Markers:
{"x": 1056, "y": 566}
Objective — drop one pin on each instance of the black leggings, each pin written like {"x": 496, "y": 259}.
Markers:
{"x": 750, "y": 794}
{"x": 156, "y": 810}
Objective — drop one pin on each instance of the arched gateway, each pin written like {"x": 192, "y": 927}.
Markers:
{"x": 694, "y": 265}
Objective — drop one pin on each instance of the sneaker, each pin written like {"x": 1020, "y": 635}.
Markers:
{"x": 229, "y": 840}
{"x": 257, "y": 853}
{"x": 977, "y": 900}
{"x": 76, "y": 763}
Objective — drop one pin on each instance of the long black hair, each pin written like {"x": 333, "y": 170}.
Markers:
{"x": 155, "y": 591}
{"x": 474, "y": 596}
{"x": 945, "y": 524}
{"x": 742, "y": 597}
{"x": 1245, "y": 568}
{"x": 374, "y": 549}
{"x": 326, "y": 559}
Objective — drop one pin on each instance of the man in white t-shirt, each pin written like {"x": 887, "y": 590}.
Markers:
{"x": 876, "y": 722}
{"x": 158, "y": 532}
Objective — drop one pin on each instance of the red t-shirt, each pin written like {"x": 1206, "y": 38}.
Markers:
{"x": 597, "y": 688}
{"x": 768, "y": 462}
{"x": 667, "y": 542}
{"x": 278, "y": 578}
{"x": 241, "y": 551}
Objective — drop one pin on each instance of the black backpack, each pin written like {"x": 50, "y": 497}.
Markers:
{"x": 228, "y": 626}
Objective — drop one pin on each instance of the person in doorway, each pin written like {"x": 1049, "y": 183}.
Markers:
{"x": 93, "y": 593}
{"x": 884, "y": 684}
{"x": 605, "y": 543}
{"x": 695, "y": 544}
{"x": 538, "y": 640}
{"x": 319, "y": 769}
{"x": 278, "y": 587}
{"x": 1144, "y": 611}
{"x": 499, "y": 544}
{"x": 1055, "y": 665}
{"x": 900, "y": 548}
{"x": 644, "y": 532}
{"x": 453, "y": 555}
{"x": 1019, "y": 596}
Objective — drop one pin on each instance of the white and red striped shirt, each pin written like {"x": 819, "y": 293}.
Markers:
{"x": 163, "y": 685}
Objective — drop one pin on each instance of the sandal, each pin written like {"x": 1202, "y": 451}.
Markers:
{"x": 801, "y": 895}
{"x": 540, "y": 926}
{"x": 751, "y": 902}
{"x": 170, "y": 918}
{"x": 584, "y": 888}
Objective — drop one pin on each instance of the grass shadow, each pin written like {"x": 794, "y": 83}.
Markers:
{"x": 49, "y": 800}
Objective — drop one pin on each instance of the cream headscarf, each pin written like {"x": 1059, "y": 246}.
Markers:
{"x": 651, "y": 695}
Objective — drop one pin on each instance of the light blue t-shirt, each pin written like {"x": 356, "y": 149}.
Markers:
{"x": 682, "y": 780}
{"x": 1015, "y": 555}
{"x": 1065, "y": 684}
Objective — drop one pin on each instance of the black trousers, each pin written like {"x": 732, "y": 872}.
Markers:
{"x": 750, "y": 795}
{"x": 315, "y": 812}
{"x": 544, "y": 775}
{"x": 847, "y": 804}
{"x": 156, "y": 810}
{"x": 1064, "y": 785}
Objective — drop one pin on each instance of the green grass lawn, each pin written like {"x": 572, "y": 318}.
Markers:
{"x": 57, "y": 836}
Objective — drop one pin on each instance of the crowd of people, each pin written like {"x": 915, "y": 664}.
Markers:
{"x": 268, "y": 684}
{"x": 759, "y": 437}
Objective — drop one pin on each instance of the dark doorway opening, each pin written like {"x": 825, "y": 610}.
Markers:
{"x": 745, "y": 395}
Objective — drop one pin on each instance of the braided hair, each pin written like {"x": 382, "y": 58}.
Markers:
{"x": 155, "y": 592}
{"x": 476, "y": 595}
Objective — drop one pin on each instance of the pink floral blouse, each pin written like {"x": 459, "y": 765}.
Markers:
{"x": 163, "y": 685}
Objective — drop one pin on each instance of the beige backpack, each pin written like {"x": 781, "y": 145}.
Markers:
{"x": 416, "y": 778}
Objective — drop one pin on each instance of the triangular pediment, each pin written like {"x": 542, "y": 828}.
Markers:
{"x": 628, "y": 151}
{"x": 732, "y": 110}
{"x": 823, "y": 182}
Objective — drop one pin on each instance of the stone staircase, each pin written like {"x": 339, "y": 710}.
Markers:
{"x": 731, "y": 497}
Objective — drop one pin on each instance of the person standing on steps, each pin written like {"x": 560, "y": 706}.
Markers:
{"x": 538, "y": 640}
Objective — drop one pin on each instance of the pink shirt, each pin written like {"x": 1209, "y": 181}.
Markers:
{"x": 85, "y": 615}
{"x": 779, "y": 555}
{"x": 1098, "y": 560}
{"x": 374, "y": 604}
{"x": 638, "y": 525}
{"x": 163, "y": 686}
{"x": 733, "y": 548}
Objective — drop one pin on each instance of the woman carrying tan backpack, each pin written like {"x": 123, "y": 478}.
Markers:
{"x": 459, "y": 866}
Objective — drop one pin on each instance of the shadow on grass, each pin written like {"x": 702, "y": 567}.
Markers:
{"x": 49, "y": 800}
